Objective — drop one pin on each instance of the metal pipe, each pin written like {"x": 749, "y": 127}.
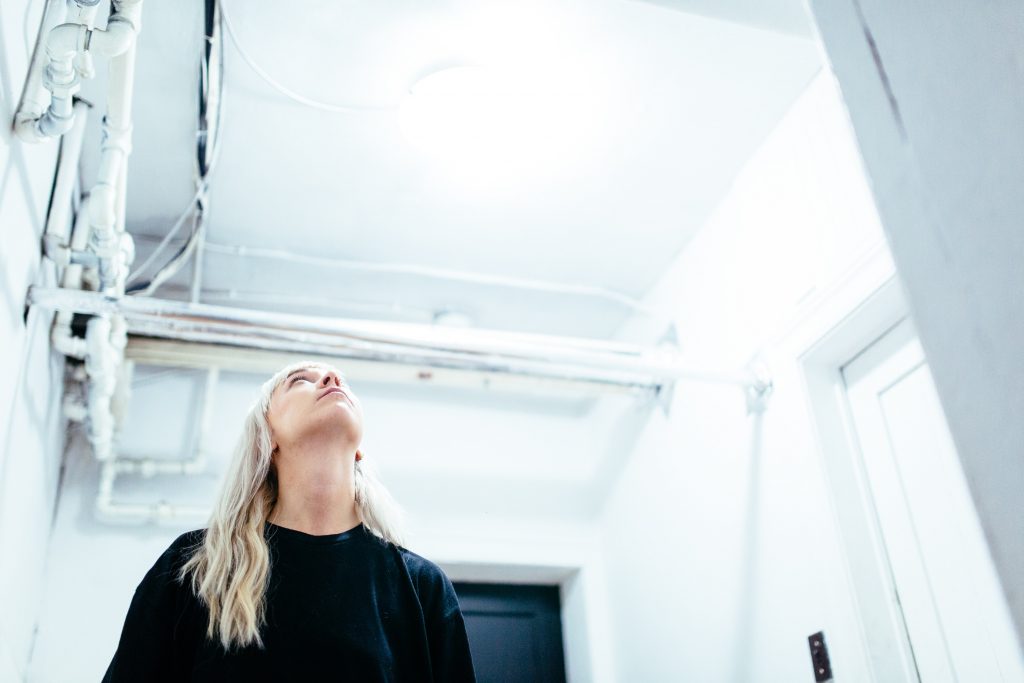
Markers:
{"x": 149, "y": 467}
{"x": 101, "y": 364}
{"x": 61, "y": 338}
{"x": 111, "y": 244}
{"x": 56, "y": 240}
{"x": 404, "y": 343}
{"x": 106, "y": 507}
{"x": 34, "y": 96}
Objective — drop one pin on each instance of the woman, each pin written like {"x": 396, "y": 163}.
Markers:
{"x": 301, "y": 574}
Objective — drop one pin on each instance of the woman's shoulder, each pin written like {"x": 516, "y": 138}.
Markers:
{"x": 188, "y": 539}
{"x": 182, "y": 547}
{"x": 419, "y": 565}
{"x": 173, "y": 558}
{"x": 435, "y": 589}
{"x": 163, "y": 580}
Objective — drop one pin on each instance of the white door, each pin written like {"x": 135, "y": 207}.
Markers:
{"x": 956, "y": 618}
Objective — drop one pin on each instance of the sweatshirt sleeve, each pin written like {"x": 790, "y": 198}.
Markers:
{"x": 446, "y": 632}
{"x": 146, "y": 649}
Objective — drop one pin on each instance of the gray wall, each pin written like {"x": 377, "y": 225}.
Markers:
{"x": 935, "y": 92}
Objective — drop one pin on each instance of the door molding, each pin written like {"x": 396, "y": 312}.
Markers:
{"x": 884, "y": 643}
{"x": 856, "y": 308}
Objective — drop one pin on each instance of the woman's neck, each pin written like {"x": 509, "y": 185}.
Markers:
{"x": 317, "y": 497}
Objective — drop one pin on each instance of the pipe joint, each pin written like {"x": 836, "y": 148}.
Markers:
{"x": 116, "y": 138}
{"x": 84, "y": 258}
{"x": 61, "y": 79}
{"x": 67, "y": 344}
{"x": 56, "y": 250}
{"x": 64, "y": 41}
{"x": 84, "y": 65}
{"x": 116, "y": 39}
{"x": 102, "y": 218}
{"x": 74, "y": 410}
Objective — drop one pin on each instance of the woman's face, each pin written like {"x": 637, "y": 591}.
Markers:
{"x": 315, "y": 404}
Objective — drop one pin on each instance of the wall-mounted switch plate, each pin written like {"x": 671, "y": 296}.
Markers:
{"x": 819, "y": 658}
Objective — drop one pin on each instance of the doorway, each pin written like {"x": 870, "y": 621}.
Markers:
{"x": 515, "y": 631}
{"x": 945, "y": 592}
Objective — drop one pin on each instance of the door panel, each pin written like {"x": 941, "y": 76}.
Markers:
{"x": 515, "y": 632}
{"x": 947, "y": 589}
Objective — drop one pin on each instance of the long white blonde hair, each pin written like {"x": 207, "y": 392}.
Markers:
{"x": 229, "y": 571}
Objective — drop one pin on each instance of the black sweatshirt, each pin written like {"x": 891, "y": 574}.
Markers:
{"x": 340, "y": 607}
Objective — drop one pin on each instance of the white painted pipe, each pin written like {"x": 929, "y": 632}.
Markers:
{"x": 56, "y": 241}
{"x": 105, "y": 339}
{"x": 101, "y": 365}
{"x": 35, "y": 96}
{"x": 112, "y": 249}
{"x": 150, "y": 467}
{"x": 119, "y": 34}
{"x": 122, "y": 391}
{"x": 61, "y": 337}
{"x": 61, "y": 79}
{"x": 75, "y": 410}
{"x": 69, "y": 48}
{"x": 140, "y": 512}
{"x": 86, "y": 16}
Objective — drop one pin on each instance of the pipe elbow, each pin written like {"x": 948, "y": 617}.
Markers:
{"x": 26, "y": 127}
{"x": 115, "y": 40}
{"x": 64, "y": 41}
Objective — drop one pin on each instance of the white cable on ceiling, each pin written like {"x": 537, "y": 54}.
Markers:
{"x": 427, "y": 271}
{"x": 167, "y": 238}
{"x": 291, "y": 94}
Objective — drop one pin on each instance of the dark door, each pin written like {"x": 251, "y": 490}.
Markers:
{"x": 515, "y": 632}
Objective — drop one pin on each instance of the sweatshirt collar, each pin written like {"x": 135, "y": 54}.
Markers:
{"x": 273, "y": 531}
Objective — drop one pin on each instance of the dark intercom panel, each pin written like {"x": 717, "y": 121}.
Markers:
{"x": 819, "y": 658}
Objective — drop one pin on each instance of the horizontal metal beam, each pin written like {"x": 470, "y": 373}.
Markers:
{"x": 596, "y": 364}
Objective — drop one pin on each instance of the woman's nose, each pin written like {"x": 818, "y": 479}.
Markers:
{"x": 329, "y": 377}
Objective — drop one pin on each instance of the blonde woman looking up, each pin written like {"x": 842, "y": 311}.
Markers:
{"x": 301, "y": 574}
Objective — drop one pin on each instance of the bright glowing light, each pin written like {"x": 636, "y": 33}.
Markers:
{"x": 494, "y": 123}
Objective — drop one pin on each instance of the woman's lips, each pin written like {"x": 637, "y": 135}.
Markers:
{"x": 336, "y": 391}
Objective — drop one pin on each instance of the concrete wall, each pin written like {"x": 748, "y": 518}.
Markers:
{"x": 934, "y": 92}
{"x": 30, "y": 377}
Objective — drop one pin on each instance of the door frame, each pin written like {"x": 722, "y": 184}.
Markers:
{"x": 860, "y": 311}
{"x": 853, "y": 309}
{"x": 579, "y": 575}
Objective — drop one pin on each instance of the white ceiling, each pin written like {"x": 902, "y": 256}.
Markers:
{"x": 786, "y": 16}
{"x": 677, "y": 103}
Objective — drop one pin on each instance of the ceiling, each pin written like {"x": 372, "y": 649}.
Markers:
{"x": 666, "y": 101}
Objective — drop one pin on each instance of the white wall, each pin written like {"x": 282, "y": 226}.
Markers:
{"x": 934, "y": 94}
{"x": 30, "y": 378}
{"x": 719, "y": 537}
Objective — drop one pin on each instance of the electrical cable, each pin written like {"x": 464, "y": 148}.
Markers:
{"x": 207, "y": 154}
{"x": 167, "y": 238}
{"x": 291, "y": 94}
{"x": 427, "y": 271}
